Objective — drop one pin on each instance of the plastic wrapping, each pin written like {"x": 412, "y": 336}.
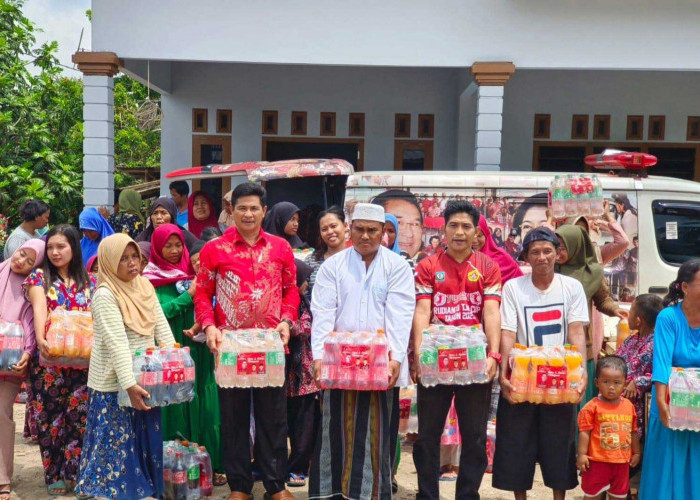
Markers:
{"x": 574, "y": 195}
{"x": 408, "y": 410}
{"x": 453, "y": 355}
{"x": 684, "y": 389}
{"x": 250, "y": 358}
{"x": 11, "y": 337}
{"x": 187, "y": 471}
{"x": 167, "y": 375}
{"x": 70, "y": 336}
{"x": 546, "y": 375}
{"x": 357, "y": 361}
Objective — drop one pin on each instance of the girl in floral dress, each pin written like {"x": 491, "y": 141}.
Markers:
{"x": 59, "y": 395}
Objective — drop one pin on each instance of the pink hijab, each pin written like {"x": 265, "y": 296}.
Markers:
{"x": 509, "y": 268}
{"x": 159, "y": 271}
{"x": 15, "y": 307}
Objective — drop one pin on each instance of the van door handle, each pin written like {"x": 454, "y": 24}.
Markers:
{"x": 658, "y": 289}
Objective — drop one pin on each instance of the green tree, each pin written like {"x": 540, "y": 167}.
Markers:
{"x": 40, "y": 122}
{"x": 133, "y": 146}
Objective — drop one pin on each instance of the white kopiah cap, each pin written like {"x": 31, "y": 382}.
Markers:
{"x": 368, "y": 211}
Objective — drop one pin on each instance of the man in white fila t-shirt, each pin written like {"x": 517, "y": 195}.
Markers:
{"x": 545, "y": 309}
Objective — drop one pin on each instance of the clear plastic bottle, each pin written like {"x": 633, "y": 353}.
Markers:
{"x": 693, "y": 400}
{"x": 193, "y": 473}
{"x": 206, "y": 476}
{"x": 363, "y": 353}
{"x": 187, "y": 388}
{"x": 10, "y": 344}
{"x": 477, "y": 357}
{"x": 519, "y": 375}
{"x": 446, "y": 374}
{"x": 570, "y": 196}
{"x": 556, "y": 376}
{"x": 380, "y": 364}
{"x": 168, "y": 460}
{"x": 558, "y": 197}
{"x": 329, "y": 365}
{"x": 179, "y": 477}
{"x": 585, "y": 194}
{"x": 428, "y": 360}
{"x": 597, "y": 198}
{"x": 680, "y": 399}
{"x": 538, "y": 362}
{"x": 275, "y": 360}
{"x": 151, "y": 376}
{"x": 461, "y": 345}
{"x": 574, "y": 375}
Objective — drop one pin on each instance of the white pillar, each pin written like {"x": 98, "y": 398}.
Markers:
{"x": 491, "y": 78}
{"x": 98, "y": 70}
{"x": 98, "y": 141}
{"x": 489, "y": 123}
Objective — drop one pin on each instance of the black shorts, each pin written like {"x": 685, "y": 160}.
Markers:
{"x": 526, "y": 434}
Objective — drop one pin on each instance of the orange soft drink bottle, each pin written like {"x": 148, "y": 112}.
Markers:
{"x": 556, "y": 376}
{"x": 574, "y": 360}
{"x": 519, "y": 374}
{"x": 538, "y": 372}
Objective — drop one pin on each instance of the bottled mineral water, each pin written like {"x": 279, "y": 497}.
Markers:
{"x": 428, "y": 360}
{"x": 250, "y": 358}
{"x": 557, "y": 197}
{"x": 597, "y": 198}
{"x": 446, "y": 358}
{"x": 187, "y": 386}
{"x": 477, "y": 356}
{"x": 460, "y": 346}
{"x": 680, "y": 399}
{"x": 585, "y": 193}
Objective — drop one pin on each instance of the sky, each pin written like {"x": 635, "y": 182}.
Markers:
{"x": 61, "y": 20}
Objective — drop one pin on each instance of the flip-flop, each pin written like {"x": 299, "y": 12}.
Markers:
{"x": 448, "y": 476}
{"x": 220, "y": 479}
{"x": 5, "y": 492}
{"x": 296, "y": 480}
{"x": 60, "y": 485}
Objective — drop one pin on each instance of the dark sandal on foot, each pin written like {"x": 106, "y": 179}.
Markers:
{"x": 296, "y": 480}
{"x": 219, "y": 479}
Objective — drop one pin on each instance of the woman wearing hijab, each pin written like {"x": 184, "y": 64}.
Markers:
{"x": 576, "y": 258}
{"x": 164, "y": 211}
{"x": 283, "y": 220}
{"x": 226, "y": 219}
{"x": 123, "y": 447}
{"x": 201, "y": 213}
{"x": 95, "y": 228}
{"x": 171, "y": 272}
{"x": 391, "y": 232}
{"x": 484, "y": 243}
{"x": 303, "y": 411}
{"x": 15, "y": 307}
{"x": 129, "y": 219}
{"x": 145, "y": 247}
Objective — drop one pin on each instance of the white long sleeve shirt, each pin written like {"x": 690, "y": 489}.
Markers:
{"x": 348, "y": 296}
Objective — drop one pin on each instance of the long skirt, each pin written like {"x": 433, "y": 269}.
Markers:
{"x": 59, "y": 405}
{"x": 123, "y": 451}
{"x": 352, "y": 457}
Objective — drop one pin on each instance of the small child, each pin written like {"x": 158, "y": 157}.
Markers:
{"x": 196, "y": 328}
{"x": 608, "y": 443}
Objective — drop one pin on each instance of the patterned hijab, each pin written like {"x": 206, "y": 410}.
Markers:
{"x": 137, "y": 298}
{"x": 130, "y": 203}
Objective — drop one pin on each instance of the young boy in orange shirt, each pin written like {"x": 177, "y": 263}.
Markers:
{"x": 608, "y": 443}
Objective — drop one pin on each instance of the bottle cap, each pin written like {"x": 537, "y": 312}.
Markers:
{"x": 202, "y": 448}
{"x": 574, "y": 348}
{"x": 176, "y": 345}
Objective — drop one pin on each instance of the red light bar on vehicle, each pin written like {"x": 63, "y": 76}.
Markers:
{"x": 619, "y": 160}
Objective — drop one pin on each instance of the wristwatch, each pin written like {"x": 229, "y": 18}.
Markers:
{"x": 496, "y": 356}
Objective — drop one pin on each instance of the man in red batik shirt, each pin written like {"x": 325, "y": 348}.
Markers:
{"x": 252, "y": 275}
{"x": 462, "y": 288}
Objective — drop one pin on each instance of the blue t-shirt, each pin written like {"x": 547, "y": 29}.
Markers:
{"x": 182, "y": 219}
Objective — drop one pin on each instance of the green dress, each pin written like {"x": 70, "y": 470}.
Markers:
{"x": 199, "y": 420}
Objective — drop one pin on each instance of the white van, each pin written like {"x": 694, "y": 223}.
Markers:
{"x": 660, "y": 215}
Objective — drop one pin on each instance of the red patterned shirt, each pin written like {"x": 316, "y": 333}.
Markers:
{"x": 458, "y": 291}
{"x": 254, "y": 285}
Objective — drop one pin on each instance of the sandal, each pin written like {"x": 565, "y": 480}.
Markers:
{"x": 296, "y": 480}
{"x": 448, "y": 476}
{"x": 5, "y": 493}
{"x": 219, "y": 479}
{"x": 57, "y": 489}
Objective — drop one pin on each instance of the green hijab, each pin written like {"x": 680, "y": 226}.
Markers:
{"x": 582, "y": 264}
{"x": 130, "y": 203}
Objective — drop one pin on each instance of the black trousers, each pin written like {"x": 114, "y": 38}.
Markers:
{"x": 270, "y": 411}
{"x": 303, "y": 417}
{"x": 472, "y": 403}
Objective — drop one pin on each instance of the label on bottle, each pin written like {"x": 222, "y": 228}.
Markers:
{"x": 452, "y": 360}
{"x": 680, "y": 399}
{"x": 148, "y": 378}
{"x": 252, "y": 363}
{"x": 189, "y": 373}
{"x": 404, "y": 408}
{"x": 10, "y": 343}
{"x": 193, "y": 473}
{"x": 167, "y": 475}
{"x": 551, "y": 377}
{"x": 354, "y": 357}
{"x": 275, "y": 358}
{"x": 429, "y": 357}
{"x": 179, "y": 477}
{"x": 694, "y": 401}
{"x": 205, "y": 482}
{"x": 228, "y": 359}
{"x": 477, "y": 353}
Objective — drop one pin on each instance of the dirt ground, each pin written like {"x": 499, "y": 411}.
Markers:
{"x": 28, "y": 481}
